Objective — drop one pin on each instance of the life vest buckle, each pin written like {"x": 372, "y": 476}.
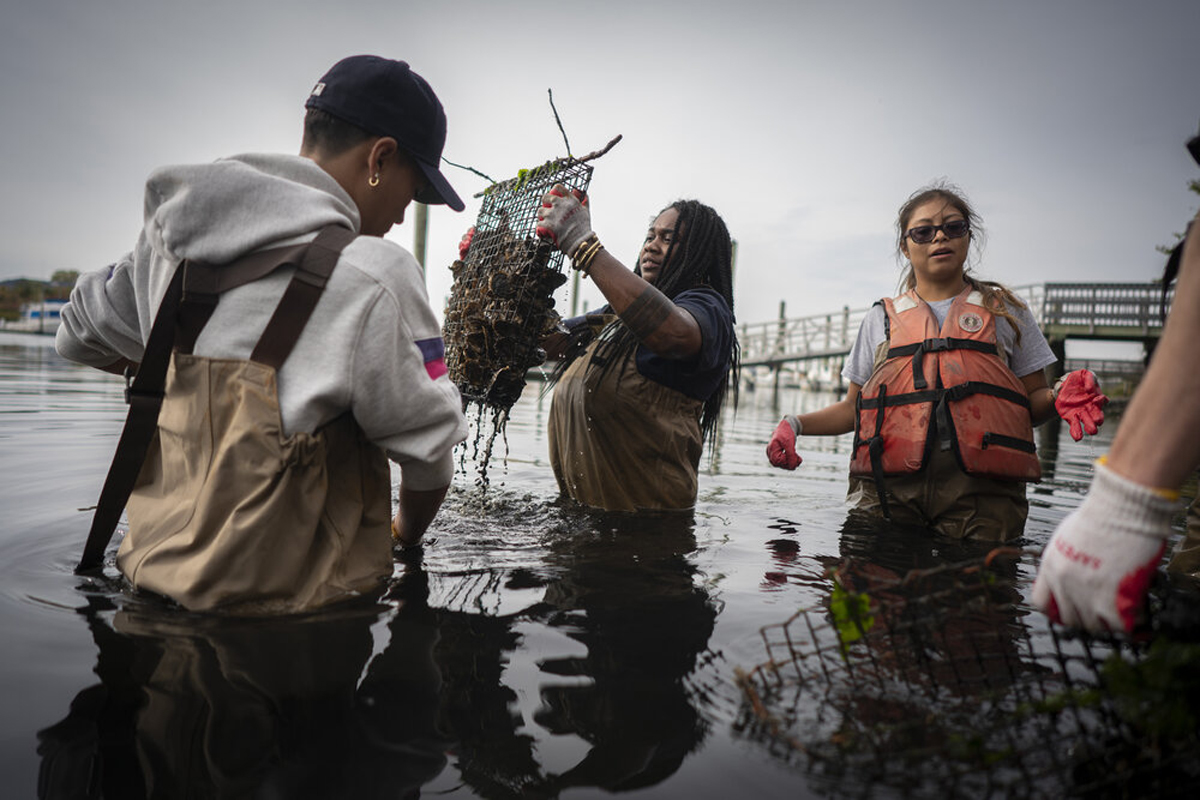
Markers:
{"x": 936, "y": 345}
{"x": 958, "y": 392}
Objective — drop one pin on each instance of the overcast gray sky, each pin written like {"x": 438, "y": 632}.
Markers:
{"x": 806, "y": 124}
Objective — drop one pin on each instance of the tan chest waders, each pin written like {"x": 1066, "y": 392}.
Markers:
{"x": 622, "y": 442}
{"x": 225, "y": 510}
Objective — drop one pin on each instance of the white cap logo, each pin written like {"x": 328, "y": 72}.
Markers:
{"x": 320, "y": 87}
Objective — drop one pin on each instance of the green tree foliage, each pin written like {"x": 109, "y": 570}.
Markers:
{"x": 14, "y": 293}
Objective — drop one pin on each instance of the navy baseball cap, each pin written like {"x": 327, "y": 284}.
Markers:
{"x": 386, "y": 98}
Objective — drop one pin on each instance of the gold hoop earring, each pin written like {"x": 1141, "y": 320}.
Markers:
{"x": 373, "y": 181}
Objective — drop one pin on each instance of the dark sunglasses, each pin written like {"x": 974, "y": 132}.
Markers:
{"x": 923, "y": 234}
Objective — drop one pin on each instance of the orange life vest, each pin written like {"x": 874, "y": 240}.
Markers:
{"x": 952, "y": 381}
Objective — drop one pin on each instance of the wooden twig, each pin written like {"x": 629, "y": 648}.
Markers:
{"x": 487, "y": 178}
{"x": 599, "y": 152}
{"x": 559, "y": 121}
{"x": 556, "y": 164}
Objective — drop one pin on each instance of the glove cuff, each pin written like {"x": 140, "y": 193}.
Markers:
{"x": 794, "y": 421}
{"x": 1130, "y": 506}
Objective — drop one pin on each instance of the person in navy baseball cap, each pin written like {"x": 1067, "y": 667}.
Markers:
{"x": 384, "y": 97}
{"x": 325, "y": 361}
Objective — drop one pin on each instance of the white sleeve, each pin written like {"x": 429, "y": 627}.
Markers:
{"x": 861, "y": 361}
{"x": 401, "y": 396}
{"x": 100, "y": 322}
{"x": 1033, "y": 353}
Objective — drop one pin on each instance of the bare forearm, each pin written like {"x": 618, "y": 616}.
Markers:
{"x": 1041, "y": 397}
{"x": 659, "y": 324}
{"x": 416, "y": 513}
{"x": 834, "y": 419}
{"x": 1158, "y": 441}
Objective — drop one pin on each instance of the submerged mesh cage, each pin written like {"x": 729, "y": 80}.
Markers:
{"x": 501, "y": 304}
{"x": 942, "y": 683}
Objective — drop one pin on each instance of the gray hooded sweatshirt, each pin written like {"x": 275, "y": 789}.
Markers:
{"x": 371, "y": 347}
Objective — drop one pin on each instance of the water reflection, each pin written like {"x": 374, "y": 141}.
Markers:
{"x": 199, "y": 706}
{"x": 946, "y": 629}
{"x": 374, "y": 699}
{"x": 623, "y": 591}
{"x": 906, "y": 673}
{"x": 629, "y": 596}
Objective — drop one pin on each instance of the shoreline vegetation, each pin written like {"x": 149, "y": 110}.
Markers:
{"x": 16, "y": 292}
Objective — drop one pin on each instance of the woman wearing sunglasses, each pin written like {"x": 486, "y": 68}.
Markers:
{"x": 946, "y": 382}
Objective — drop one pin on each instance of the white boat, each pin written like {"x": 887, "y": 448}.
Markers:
{"x": 40, "y": 317}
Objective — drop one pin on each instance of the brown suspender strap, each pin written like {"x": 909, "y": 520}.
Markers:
{"x": 182, "y": 314}
{"x": 300, "y": 297}
{"x": 204, "y": 283}
{"x": 145, "y": 398}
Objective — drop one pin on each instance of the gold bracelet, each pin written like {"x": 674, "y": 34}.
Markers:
{"x": 584, "y": 242}
{"x": 585, "y": 259}
{"x": 585, "y": 253}
{"x": 591, "y": 255}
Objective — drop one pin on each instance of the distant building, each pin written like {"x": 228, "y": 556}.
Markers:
{"x": 38, "y": 317}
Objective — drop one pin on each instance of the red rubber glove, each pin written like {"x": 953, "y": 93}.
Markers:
{"x": 564, "y": 218}
{"x": 464, "y": 244}
{"x": 1077, "y": 400}
{"x": 781, "y": 450}
{"x": 1100, "y": 561}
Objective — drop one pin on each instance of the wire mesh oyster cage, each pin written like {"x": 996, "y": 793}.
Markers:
{"x": 941, "y": 682}
{"x": 502, "y": 303}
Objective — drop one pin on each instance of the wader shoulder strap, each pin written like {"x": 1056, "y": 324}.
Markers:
{"x": 145, "y": 398}
{"x": 300, "y": 297}
{"x": 204, "y": 283}
{"x": 185, "y": 308}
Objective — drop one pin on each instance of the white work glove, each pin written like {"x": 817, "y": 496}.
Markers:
{"x": 1099, "y": 563}
{"x": 564, "y": 218}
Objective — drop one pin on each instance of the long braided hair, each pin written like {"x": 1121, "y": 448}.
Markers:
{"x": 700, "y": 254}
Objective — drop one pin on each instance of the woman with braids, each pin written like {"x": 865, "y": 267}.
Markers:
{"x": 635, "y": 403}
{"x": 946, "y": 382}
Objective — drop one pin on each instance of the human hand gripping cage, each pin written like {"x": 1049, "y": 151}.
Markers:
{"x": 502, "y": 304}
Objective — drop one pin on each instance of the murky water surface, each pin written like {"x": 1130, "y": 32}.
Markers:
{"x": 534, "y": 650}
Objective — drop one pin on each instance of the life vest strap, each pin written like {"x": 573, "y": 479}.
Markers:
{"x": 964, "y": 390}
{"x": 1010, "y": 442}
{"x": 904, "y": 399}
{"x": 875, "y": 444}
{"x": 953, "y": 394}
{"x": 936, "y": 345}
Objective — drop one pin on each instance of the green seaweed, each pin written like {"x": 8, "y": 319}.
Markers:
{"x": 1160, "y": 693}
{"x": 851, "y": 613}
